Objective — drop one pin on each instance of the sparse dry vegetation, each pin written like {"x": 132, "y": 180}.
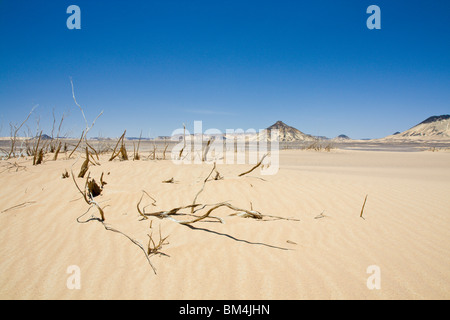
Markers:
{"x": 320, "y": 145}
{"x": 194, "y": 211}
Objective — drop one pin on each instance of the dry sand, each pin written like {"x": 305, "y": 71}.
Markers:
{"x": 405, "y": 232}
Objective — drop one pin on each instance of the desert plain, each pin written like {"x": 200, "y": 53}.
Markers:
{"x": 316, "y": 241}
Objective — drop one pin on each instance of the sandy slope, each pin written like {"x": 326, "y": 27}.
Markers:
{"x": 405, "y": 231}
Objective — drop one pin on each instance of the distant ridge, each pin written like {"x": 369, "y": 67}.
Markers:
{"x": 435, "y": 127}
{"x": 342, "y": 137}
{"x": 436, "y": 118}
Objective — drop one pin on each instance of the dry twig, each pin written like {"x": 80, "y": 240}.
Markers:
{"x": 257, "y": 165}
{"x": 362, "y": 209}
{"x": 19, "y": 206}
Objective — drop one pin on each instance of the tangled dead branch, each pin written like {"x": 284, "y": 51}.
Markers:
{"x": 88, "y": 194}
{"x": 65, "y": 175}
{"x": 152, "y": 247}
{"x": 137, "y": 243}
{"x": 13, "y": 166}
{"x": 197, "y": 207}
{"x": 15, "y": 132}
{"x": 91, "y": 190}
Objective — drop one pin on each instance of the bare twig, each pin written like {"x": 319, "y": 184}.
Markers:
{"x": 65, "y": 175}
{"x": 257, "y": 165}
{"x": 138, "y": 208}
{"x": 19, "y": 206}
{"x": 36, "y": 155}
{"x": 203, "y": 187}
{"x": 165, "y": 148}
{"x": 85, "y": 165}
{"x": 206, "y": 150}
{"x": 153, "y": 248}
{"x": 88, "y": 197}
{"x": 109, "y": 228}
{"x": 15, "y": 132}
{"x": 82, "y": 112}
{"x": 171, "y": 180}
{"x": 362, "y": 209}
{"x": 76, "y": 147}
{"x": 58, "y": 149}
{"x": 321, "y": 215}
{"x": 115, "y": 154}
{"x": 136, "y": 155}
{"x": 184, "y": 141}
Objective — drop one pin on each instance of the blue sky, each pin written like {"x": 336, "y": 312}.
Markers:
{"x": 154, "y": 65}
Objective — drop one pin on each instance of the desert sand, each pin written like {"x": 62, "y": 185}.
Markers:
{"x": 405, "y": 229}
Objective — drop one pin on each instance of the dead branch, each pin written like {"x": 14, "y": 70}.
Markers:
{"x": 109, "y": 228}
{"x": 40, "y": 157}
{"x": 321, "y": 215}
{"x": 114, "y": 154}
{"x": 93, "y": 188}
{"x": 154, "y": 150}
{"x": 102, "y": 182}
{"x": 15, "y": 132}
{"x": 184, "y": 141}
{"x": 206, "y": 150}
{"x": 36, "y": 151}
{"x": 92, "y": 148}
{"x": 123, "y": 152}
{"x": 65, "y": 175}
{"x": 171, "y": 180}
{"x": 136, "y": 155}
{"x": 362, "y": 209}
{"x": 76, "y": 147}
{"x": 138, "y": 208}
{"x": 88, "y": 196}
{"x": 84, "y": 166}
{"x": 152, "y": 247}
{"x": 203, "y": 186}
{"x": 58, "y": 149}
{"x": 212, "y": 207}
{"x": 19, "y": 206}
{"x": 257, "y": 165}
{"x": 82, "y": 112}
{"x": 165, "y": 149}
{"x": 15, "y": 166}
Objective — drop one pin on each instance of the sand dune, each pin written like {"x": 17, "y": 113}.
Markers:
{"x": 405, "y": 231}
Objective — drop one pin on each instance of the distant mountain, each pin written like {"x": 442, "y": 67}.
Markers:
{"x": 436, "y": 118}
{"x": 46, "y": 137}
{"x": 43, "y": 137}
{"x": 285, "y": 133}
{"x": 342, "y": 137}
{"x": 136, "y": 138}
{"x": 435, "y": 127}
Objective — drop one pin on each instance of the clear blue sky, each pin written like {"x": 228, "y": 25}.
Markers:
{"x": 153, "y": 65}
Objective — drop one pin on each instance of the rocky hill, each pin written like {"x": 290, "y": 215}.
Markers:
{"x": 285, "y": 133}
{"x": 435, "y": 127}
